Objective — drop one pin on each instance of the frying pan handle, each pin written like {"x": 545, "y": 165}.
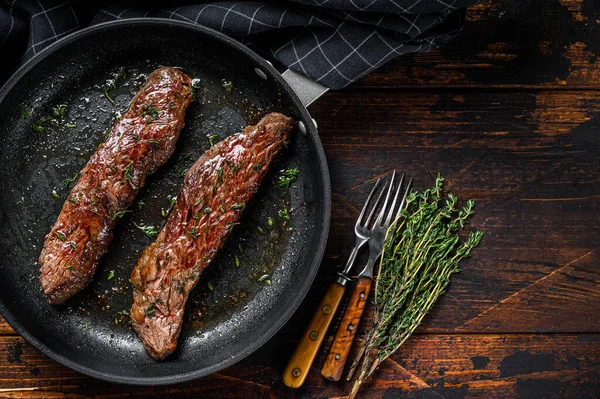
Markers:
{"x": 299, "y": 365}
{"x": 306, "y": 89}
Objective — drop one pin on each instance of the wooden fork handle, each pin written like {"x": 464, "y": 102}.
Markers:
{"x": 299, "y": 365}
{"x": 338, "y": 354}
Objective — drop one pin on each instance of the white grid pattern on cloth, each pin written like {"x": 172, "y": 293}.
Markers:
{"x": 335, "y": 42}
{"x": 48, "y": 22}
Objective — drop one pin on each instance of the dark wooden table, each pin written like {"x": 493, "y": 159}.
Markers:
{"x": 508, "y": 113}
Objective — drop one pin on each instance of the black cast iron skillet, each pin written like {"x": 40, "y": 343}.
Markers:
{"x": 235, "y": 308}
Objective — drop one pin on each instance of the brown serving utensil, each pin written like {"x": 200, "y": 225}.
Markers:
{"x": 340, "y": 349}
{"x": 301, "y": 361}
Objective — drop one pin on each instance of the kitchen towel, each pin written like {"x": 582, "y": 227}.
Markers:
{"x": 334, "y": 42}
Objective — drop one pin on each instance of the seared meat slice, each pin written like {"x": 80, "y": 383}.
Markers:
{"x": 214, "y": 193}
{"x": 138, "y": 143}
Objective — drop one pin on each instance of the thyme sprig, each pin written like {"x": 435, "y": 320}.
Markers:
{"x": 422, "y": 249}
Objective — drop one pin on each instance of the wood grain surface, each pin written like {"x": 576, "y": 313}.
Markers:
{"x": 509, "y": 113}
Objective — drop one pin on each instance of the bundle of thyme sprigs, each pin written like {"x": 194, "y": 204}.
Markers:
{"x": 421, "y": 251}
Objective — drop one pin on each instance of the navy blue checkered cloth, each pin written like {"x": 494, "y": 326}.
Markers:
{"x": 334, "y": 42}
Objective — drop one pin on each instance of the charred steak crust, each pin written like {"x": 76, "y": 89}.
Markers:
{"x": 139, "y": 142}
{"x": 214, "y": 193}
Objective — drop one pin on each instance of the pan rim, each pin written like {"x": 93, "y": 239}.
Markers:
{"x": 325, "y": 187}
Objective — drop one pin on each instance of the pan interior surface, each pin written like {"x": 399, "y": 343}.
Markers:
{"x": 54, "y": 117}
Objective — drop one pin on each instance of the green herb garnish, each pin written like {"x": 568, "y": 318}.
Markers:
{"x": 25, "y": 115}
{"x": 172, "y": 202}
{"x": 150, "y": 310}
{"x": 422, "y": 249}
{"x": 70, "y": 268}
{"x": 66, "y": 182}
{"x": 140, "y": 205}
{"x": 119, "y": 214}
{"x": 128, "y": 173}
{"x": 287, "y": 177}
{"x": 237, "y": 261}
{"x": 284, "y": 214}
{"x": 210, "y": 286}
{"x": 55, "y": 194}
{"x": 240, "y": 206}
{"x": 111, "y": 275}
{"x": 150, "y": 231}
{"x": 234, "y": 167}
{"x": 193, "y": 233}
{"x": 227, "y": 85}
{"x": 151, "y": 112}
{"x": 111, "y": 83}
{"x": 60, "y": 110}
{"x": 105, "y": 134}
{"x": 265, "y": 279}
{"x": 196, "y": 83}
{"x": 72, "y": 244}
{"x": 71, "y": 125}
{"x": 60, "y": 235}
{"x": 38, "y": 126}
{"x": 258, "y": 166}
{"x": 180, "y": 158}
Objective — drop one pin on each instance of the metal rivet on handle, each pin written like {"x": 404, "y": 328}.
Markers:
{"x": 261, "y": 74}
{"x": 313, "y": 335}
{"x": 302, "y": 127}
{"x": 350, "y": 327}
{"x": 362, "y": 295}
{"x": 296, "y": 372}
{"x": 326, "y": 309}
{"x": 337, "y": 356}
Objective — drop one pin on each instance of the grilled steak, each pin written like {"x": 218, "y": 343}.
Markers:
{"x": 214, "y": 193}
{"x": 138, "y": 143}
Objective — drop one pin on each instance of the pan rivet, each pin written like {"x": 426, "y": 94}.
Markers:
{"x": 350, "y": 327}
{"x": 362, "y": 295}
{"x": 326, "y": 309}
{"x": 302, "y": 127}
{"x": 296, "y": 372}
{"x": 337, "y": 356}
{"x": 314, "y": 335}
{"x": 315, "y": 123}
{"x": 260, "y": 73}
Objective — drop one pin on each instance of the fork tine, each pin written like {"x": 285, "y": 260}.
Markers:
{"x": 390, "y": 212}
{"x": 403, "y": 199}
{"x": 375, "y": 206}
{"x": 387, "y": 198}
{"x": 366, "y": 205}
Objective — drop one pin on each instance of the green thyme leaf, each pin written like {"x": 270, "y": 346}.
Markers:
{"x": 150, "y": 231}
{"x": 287, "y": 177}
{"x": 66, "y": 182}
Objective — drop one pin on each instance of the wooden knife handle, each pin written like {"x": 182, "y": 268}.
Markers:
{"x": 338, "y": 354}
{"x": 299, "y": 365}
